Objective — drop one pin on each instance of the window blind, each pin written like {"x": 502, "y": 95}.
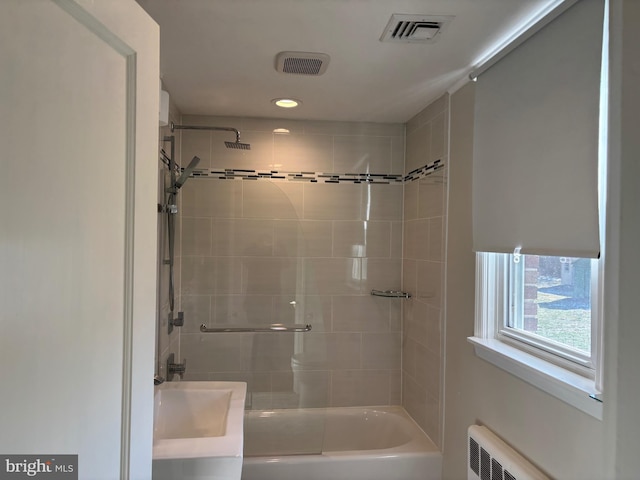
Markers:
{"x": 536, "y": 134}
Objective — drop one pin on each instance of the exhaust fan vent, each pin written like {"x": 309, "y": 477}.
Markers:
{"x": 302, "y": 63}
{"x": 415, "y": 28}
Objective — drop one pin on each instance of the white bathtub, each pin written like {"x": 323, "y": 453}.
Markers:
{"x": 372, "y": 443}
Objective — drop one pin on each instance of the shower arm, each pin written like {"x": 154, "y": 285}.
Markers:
{"x": 200, "y": 127}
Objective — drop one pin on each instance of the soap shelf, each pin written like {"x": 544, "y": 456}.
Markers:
{"x": 390, "y": 294}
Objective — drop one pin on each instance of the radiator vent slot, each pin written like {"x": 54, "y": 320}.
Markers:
{"x": 489, "y": 458}
{"x": 302, "y": 63}
{"x": 415, "y": 28}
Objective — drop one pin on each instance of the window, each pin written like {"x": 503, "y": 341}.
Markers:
{"x": 539, "y": 318}
{"x": 550, "y": 308}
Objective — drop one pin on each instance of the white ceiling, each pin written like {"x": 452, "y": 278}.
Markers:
{"x": 218, "y": 56}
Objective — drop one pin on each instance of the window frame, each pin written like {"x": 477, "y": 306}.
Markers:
{"x": 562, "y": 354}
{"x": 561, "y": 377}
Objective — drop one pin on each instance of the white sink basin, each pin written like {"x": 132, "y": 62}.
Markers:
{"x": 198, "y": 430}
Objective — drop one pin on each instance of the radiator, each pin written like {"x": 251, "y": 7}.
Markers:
{"x": 489, "y": 458}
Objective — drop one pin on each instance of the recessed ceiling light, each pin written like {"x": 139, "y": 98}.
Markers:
{"x": 286, "y": 102}
{"x": 282, "y": 131}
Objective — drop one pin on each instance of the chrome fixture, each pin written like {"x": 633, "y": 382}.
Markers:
{"x": 157, "y": 380}
{"x": 276, "y": 327}
{"x": 237, "y": 144}
{"x": 175, "y": 368}
{"x": 390, "y": 294}
{"x": 187, "y": 171}
{"x": 175, "y": 322}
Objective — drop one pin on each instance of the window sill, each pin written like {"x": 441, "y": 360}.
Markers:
{"x": 557, "y": 381}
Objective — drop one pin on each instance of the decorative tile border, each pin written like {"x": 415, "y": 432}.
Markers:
{"x": 319, "y": 177}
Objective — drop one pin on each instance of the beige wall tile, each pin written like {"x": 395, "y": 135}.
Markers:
{"x": 410, "y": 201}
{"x": 360, "y": 387}
{"x": 195, "y": 236}
{"x": 265, "y": 352}
{"x": 269, "y": 276}
{"x": 410, "y": 277}
{"x": 430, "y": 196}
{"x": 197, "y": 310}
{"x": 334, "y": 202}
{"x": 355, "y": 154}
{"x": 343, "y": 350}
{"x": 306, "y": 153}
{"x": 396, "y": 240}
{"x": 211, "y": 353}
{"x": 361, "y": 239}
{"x": 308, "y": 309}
{"x": 430, "y": 283}
{"x": 227, "y": 275}
{"x": 195, "y": 143}
{"x": 243, "y": 310}
{"x": 429, "y": 113}
{"x": 418, "y": 148}
{"x": 270, "y": 124}
{"x": 381, "y": 350}
{"x": 197, "y": 276}
{"x": 414, "y": 400}
{"x": 312, "y": 388}
{"x": 415, "y": 327}
{"x": 259, "y": 157}
{"x": 243, "y": 237}
{"x": 438, "y": 140}
{"x": 427, "y": 373}
{"x": 303, "y": 238}
{"x": 436, "y": 239}
{"x": 433, "y": 416}
{"x": 213, "y": 120}
{"x": 333, "y": 276}
{"x": 383, "y": 202}
{"x": 397, "y": 155}
{"x": 364, "y": 313}
{"x": 354, "y": 128}
{"x": 409, "y": 357}
{"x": 206, "y": 197}
{"x": 271, "y": 200}
{"x": 381, "y": 274}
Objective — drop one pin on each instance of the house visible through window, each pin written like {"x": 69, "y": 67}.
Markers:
{"x": 549, "y": 305}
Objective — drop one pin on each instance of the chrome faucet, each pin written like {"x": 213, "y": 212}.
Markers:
{"x": 157, "y": 380}
{"x": 175, "y": 368}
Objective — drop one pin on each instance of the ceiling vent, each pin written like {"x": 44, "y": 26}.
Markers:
{"x": 415, "y": 28}
{"x": 302, "y": 63}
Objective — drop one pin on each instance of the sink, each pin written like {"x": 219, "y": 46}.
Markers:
{"x": 198, "y": 430}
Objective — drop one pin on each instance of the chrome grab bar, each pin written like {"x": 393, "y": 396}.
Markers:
{"x": 276, "y": 327}
{"x": 390, "y": 293}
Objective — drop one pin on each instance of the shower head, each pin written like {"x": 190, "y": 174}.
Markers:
{"x": 238, "y": 145}
{"x": 187, "y": 171}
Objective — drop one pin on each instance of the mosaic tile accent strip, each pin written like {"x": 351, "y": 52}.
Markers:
{"x": 320, "y": 177}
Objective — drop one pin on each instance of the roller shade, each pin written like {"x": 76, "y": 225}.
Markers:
{"x": 535, "y": 167}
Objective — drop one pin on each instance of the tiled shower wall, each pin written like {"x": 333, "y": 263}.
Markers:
{"x": 423, "y": 268}
{"x": 262, "y": 251}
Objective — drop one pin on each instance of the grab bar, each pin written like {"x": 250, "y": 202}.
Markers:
{"x": 390, "y": 293}
{"x": 276, "y": 327}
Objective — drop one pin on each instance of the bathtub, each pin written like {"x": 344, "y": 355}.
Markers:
{"x": 353, "y": 443}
